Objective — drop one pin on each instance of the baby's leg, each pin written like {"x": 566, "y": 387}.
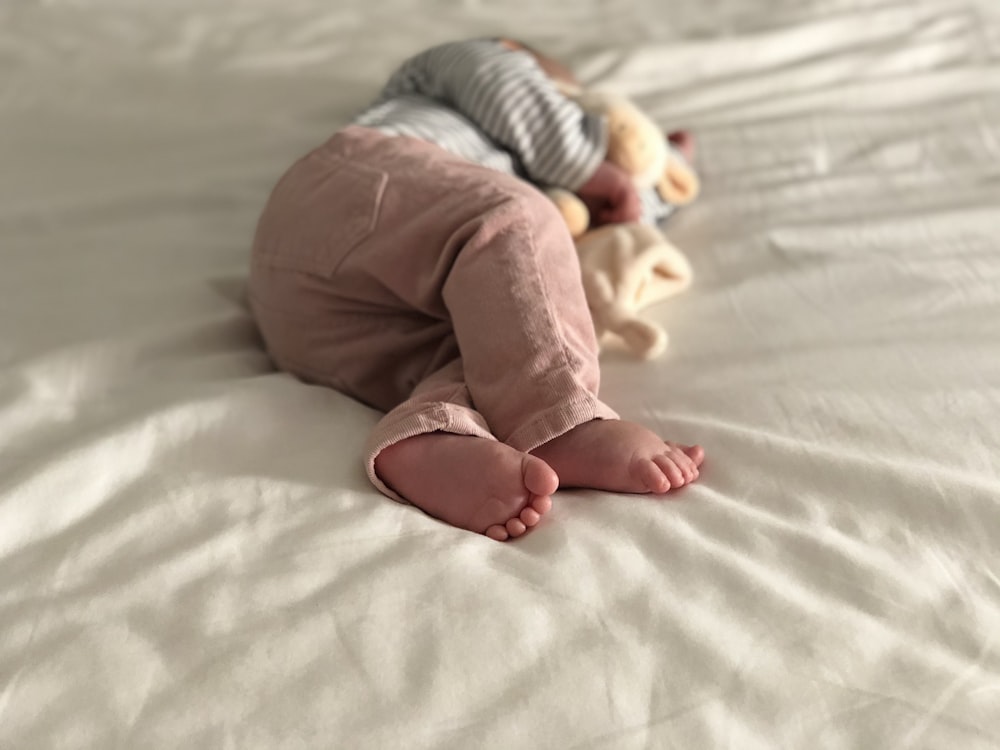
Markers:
{"x": 380, "y": 260}
{"x": 527, "y": 340}
{"x": 509, "y": 279}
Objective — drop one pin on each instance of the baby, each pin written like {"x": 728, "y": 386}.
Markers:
{"x": 411, "y": 263}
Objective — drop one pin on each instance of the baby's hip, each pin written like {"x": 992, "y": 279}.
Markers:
{"x": 372, "y": 213}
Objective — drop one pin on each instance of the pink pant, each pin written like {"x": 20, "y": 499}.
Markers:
{"x": 444, "y": 293}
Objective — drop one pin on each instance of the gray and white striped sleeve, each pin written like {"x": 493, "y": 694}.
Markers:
{"x": 510, "y": 98}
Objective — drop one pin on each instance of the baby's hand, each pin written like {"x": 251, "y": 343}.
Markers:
{"x": 610, "y": 196}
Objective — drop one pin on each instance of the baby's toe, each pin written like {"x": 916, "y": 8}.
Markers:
{"x": 652, "y": 476}
{"x": 671, "y": 470}
{"x": 683, "y": 461}
{"x": 696, "y": 453}
{"x": 498, "y": 532}
{"x": 542, "y": 504}
{"x": 515, "y": 527}
{"x": 530, "y": 517}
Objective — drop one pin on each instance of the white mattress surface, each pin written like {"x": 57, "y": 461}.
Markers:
{"x": 191, "y": 555}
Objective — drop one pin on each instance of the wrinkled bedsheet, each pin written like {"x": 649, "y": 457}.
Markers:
{"x": 191, "y": 555}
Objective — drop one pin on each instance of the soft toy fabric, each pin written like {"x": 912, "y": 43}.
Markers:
{"x": 638, "y": 146}
{"x": 627, "y": 267}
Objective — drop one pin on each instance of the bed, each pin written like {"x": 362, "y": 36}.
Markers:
{"x": 192, "y": 556}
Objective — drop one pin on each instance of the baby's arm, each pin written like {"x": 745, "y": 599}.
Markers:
{"x": 508, "y": 95}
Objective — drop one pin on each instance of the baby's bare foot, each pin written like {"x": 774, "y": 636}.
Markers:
{"x": 609, "y": 454}
{"x": 470, "y": 482}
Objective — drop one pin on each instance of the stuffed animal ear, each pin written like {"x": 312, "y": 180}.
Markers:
{"x": 679, "y": 184}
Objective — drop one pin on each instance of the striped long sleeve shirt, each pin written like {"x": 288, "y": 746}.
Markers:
{"x": 496, "y": 107}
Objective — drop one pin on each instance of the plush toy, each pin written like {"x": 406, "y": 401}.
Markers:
{"x": 627, "y": 267}
{"x": 638, "y": 146}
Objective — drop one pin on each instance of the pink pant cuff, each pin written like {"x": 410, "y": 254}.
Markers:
{"x": 440, "y": 417}
{"x": 458, "y": 420}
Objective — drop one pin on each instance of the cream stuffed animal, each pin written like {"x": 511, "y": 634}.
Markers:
{"x": 638, "y": 146}
{"x": 627, "y": 267}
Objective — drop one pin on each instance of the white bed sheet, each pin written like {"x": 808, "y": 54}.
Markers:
{"x": 191, "y": 556}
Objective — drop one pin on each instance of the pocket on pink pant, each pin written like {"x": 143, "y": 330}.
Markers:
{"x": 320, "y": 210}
